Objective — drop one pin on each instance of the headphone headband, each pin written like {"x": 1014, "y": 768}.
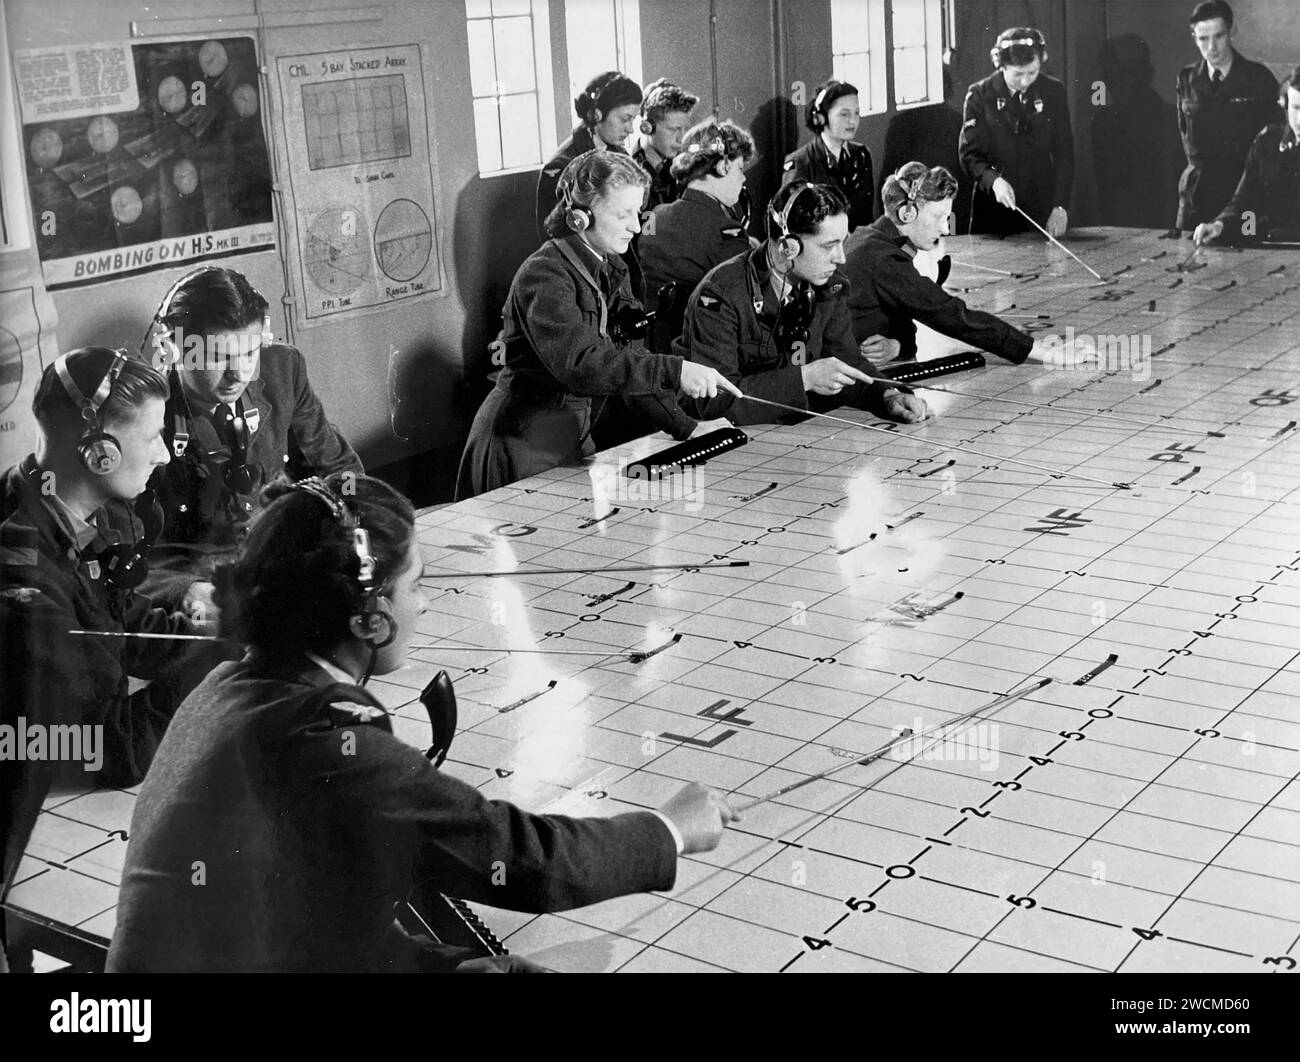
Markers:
{"x": 317, "y": 488}
{"x": 91, "y": 406}
{"x": 783, "y": 219}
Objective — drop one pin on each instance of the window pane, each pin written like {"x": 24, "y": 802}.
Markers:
{"x": 589, "y": 33}
{"x": 909, "y": 23}
{"x": 488, "y": 136}
{"x": 910, "y": 81}
{"x": 478, "y": 8}
{"x": 510, "y": 7}
{"x": 482, "y": 73}
{"x": 855, "y": 69}
{"x": 514, "y": 54}
{"x": 519, "y": 143}
{"x": 849, "y": 26}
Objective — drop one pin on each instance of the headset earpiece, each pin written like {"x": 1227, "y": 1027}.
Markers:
{"x": 647, "y": 126}
{"x": 99, "y": 451}
{"x": 577, "y": 217}
{"x": 375, "y": 624}
{"x": 907, "y": 212}
{"x": 787, "y": 242}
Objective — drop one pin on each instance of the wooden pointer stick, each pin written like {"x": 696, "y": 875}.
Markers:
{"x": 992, "y": 707}
{"x": 1062, "y": 246}
{"x": 585, "y": 571}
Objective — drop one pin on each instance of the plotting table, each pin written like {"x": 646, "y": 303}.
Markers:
{"x": 1140, "y": 813}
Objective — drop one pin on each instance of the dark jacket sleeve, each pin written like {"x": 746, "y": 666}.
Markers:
{"x": 1063, "y": 152}
{"x": 1249, "y": 194}
{"x": 838, "y": 342}
{"x": 316, "y": 447}
{"x": 973, "y": 145}
{"x": 487, "y": 851}
{"x": 902, "y": 289}
{"x": 1180, "y": 90}
{"x": 712, "y": 335}
{"x": 547, "y": 308}
{"x": 795, "y": 168}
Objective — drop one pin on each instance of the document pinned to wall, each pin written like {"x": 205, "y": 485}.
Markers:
{"x": 361, "y": 175}
{"x": 143, "y": 155}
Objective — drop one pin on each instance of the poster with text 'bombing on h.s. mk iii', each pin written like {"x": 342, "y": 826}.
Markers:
{"x": 143, "y": 155}
{"x": 361, "y": 173}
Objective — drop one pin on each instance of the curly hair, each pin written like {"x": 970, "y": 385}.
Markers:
{"x": 927, "y": 185}
{"x": 296, "y": 581}
{"x": 707, "y": 144}
{"x": 663, "y": 97}
{"x": 589, "y": 177}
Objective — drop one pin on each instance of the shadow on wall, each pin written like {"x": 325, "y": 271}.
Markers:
{"x": 775, "y": 130}
{"x": 1137, "y": 153}
{"x": 929, "y": 135}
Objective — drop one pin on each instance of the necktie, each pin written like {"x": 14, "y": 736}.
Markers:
{"x": 238, "y": 477}
{"x": 1218, "y": 77}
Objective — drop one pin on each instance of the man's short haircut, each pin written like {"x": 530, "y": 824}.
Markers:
{"x": 213, "y": 301}
{"x": 57, "y": 412}
{"x": 1209, "y": 11}
{"x": 1291, "y": 81}
{"x": 662, "y": 97}
{"x": 928, "y": 184}
{"x": 707, "y": 144}
{"x": 815, "y": 203}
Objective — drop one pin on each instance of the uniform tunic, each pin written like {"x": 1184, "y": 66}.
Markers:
{"x": 887, "y": 296}
{"x": 288, "y": 433}
{"x": 1023, "y": 137}
{"x": 851, "y": 173}
{"x": 663, "y": 186}
{"x": 51, "y": 582}
{"x": 724, "y": 331}
{"x": 1269, "y": 187}
{"x": 580, "y": 142}
{"x": 538, "y": 415}
{"x": 312, "y": 822}
{"x": 1218, "y": 123}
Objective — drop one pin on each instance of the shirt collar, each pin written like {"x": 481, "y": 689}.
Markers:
{"x": 332, "y": 670}
{"x": 80, "y": 532}
{"x": 651, "y": 156}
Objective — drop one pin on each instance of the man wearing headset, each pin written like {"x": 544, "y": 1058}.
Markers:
{"x": 608, "y": 107}
{"x": 832, "y": 157}
{"x": 241, "y": 412}
{"x": 665, "y": 116}
{"x": 75, "y": 523}
{"x": 887, "y": 293}
{"x": 775, "y": 322}
{"x": 1016, "y": 143}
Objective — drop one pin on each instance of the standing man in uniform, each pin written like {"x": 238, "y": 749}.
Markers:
{"x": 608, "y": 107}
{"x": 1266, "y": 204}
{"x": 1223, "y": 102}
{"x": 665, "y": 117}
{"x": 1016, "y": 142}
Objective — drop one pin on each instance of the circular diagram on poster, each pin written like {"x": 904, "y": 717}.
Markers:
{"x": 213, "y": 58}
{"x": 171, "y": 94}
{"x": 403, "y": 240}
{"x": 244, "y": 100}
{"x": 46, "y": 148}
{"x": 102, "y": 134}
{"x": 11, "y": 368}
{"x": 185, "y": 176}
{"x": 337, "y": 253}
{"x": 126, "y": 205}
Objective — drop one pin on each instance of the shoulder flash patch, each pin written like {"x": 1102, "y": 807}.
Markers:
{"x": 789, "y": 164}
{"x": 709, "y": 302}
{"x": 969, "y": 123}
{"x": 19, "y": 595}
{"x": 348, "y": 713}
{"x": 731, "y": 232}
{"x": 554, "y": 171}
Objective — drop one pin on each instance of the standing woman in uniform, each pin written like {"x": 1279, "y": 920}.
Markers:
{"x": 1016, "y": 142}
{"x": 831, "y": 157}
{"x": 571, "y": 324}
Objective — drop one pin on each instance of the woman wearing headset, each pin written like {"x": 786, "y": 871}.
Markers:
{"x": 281, "y": 790}
{"x": 831, "y": 157}
{"x": 572, "y": 332}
